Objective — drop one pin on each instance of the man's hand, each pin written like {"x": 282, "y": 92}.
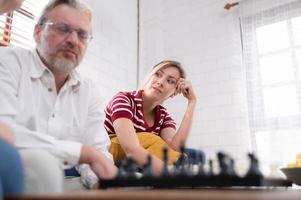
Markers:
{"x": 101, "y": 165}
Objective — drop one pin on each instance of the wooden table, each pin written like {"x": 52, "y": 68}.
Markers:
{"x": 176, "y": 194}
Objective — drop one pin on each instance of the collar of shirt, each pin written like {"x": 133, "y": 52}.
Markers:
{"x": 39, "y": 69}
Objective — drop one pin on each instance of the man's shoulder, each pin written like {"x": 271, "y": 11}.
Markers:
{"x": 14, "y": 56}
{"x": 15, "y": 51}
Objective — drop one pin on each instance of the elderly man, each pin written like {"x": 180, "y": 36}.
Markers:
{"x": 55, "y": 114}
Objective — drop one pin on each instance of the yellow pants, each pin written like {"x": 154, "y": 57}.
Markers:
{"x": 150, "y": 142}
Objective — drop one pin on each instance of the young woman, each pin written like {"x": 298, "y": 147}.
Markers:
{"x": 139, "y": 125}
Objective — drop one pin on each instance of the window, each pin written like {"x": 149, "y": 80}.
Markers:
{"x": 279, "y": 72}
{"x": 272, "y": 61}
{"x": 16, "y": 28}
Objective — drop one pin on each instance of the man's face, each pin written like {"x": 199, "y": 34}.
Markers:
{"x": 61, "y": 41}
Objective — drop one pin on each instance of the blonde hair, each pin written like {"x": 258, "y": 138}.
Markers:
{"x": 76, "y": 4}
{"x": 164, "y": 64}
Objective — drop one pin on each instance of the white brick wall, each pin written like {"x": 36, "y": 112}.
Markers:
{"x": 111, "y": 58}
{"x": 205, "y": 39}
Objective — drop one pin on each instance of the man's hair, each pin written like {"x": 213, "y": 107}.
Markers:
{"x": 76, "y": 4}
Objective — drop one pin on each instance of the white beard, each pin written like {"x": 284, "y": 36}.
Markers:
{"x": 58, "y": 63}
{"x": 52, "y": 60}
{"x": 63, "y": 65}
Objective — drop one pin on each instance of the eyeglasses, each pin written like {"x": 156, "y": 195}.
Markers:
{"x": 64, "y": 30}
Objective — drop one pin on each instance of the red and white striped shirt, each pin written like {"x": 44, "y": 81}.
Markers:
{"x": 129, "y": 105}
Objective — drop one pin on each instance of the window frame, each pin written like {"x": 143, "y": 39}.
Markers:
{"x": 7, "y": 26}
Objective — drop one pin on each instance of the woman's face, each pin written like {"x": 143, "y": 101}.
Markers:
{"x": 162, "y": 83}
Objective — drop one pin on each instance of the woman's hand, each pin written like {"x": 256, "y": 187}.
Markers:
{"x": 185, "y": 87}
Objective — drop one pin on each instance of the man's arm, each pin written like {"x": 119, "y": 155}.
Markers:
{"x": 95, "y": 136}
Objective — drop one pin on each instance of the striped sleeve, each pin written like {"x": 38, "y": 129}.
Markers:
{"x": 121, "y": 107}
{"x": 168, "y": 121}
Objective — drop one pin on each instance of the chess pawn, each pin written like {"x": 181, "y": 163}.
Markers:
{"x": 165, "y": 172}
{"x": 231, "y": 167}
{"x": 121, "y": 170}
{"x": 200, "y": 163}
{"x": 147, "y": 168}
{"x": 223, "y": 164}
{"x": 182, "y": 165}
{"x": 210, "y": 172}
{"x": 131, "y": 168}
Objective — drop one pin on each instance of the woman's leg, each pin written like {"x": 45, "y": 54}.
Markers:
{"x": 11, "y": 170}
{"x": 149, "y": 141}
{"x": 155, "y": 144}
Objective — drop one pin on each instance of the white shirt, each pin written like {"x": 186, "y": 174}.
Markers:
{"x": 41, "y": 118}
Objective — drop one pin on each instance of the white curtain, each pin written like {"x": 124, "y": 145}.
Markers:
{"x": 271, "y": 43}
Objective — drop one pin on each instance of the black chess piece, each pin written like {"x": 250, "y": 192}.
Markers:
{"x": 165, "y": 172}
{"x": 231, "y": 169}
{"x": 226, "y": 164}
{"x": 178, "y": 163}
{"x": 131, "y": 168}
{"x": 200, "y": 160}
{"x": 223, "y": 164}
{"x": 121, "y": 174}
{"x": 210, "y": 171}
{"x": 182, "y": 165}
{"x": 147, "y": 168}
{"x": 253, "y": 170}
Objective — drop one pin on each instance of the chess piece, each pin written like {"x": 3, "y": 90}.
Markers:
{"x": 226, "y": 164}
{"x": 147, "y": 168}
{"x": 182, "y": 165}
{"x": 223, "y": 164}
{"x": 121, "y": 169}
{"x": 165, "y": 172}
{"x": 231, "y": 170}
{"x": 200, "y": 160}
{"x": 210, "y": 172}
{"x": 131, "y": 168}
{"x": 254, "y": 170}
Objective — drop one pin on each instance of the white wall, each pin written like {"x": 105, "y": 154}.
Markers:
{"x": 111, "y": 58}
{"x": 205, "y": 38}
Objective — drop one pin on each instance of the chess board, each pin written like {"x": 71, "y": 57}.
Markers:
{"x": 182, "y": 175}
{"x": 195, "y": 182}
